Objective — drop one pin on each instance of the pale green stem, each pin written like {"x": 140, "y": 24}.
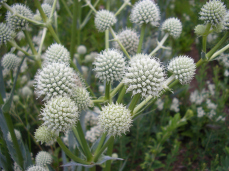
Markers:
{"x": 55, "y": 22}
{"x": 114, "y": 91}
{"x": 100, "y": 143}
{"x": 30, "y": 42}
{"x": 204, "y": 40}
{"x": 134, "y": 101}
{"x": 109, "y": 153}
{"x": 66, "y": 7}
{"x": 160, "y": 44}
{"x": 120, "y": 44}
{"x": 122, "y": 7}
{"x": 53, "y": 9}
{"x": 219, "y": 52}
{"x": 90, "y": 5}
{"x": 121, "y": 94}
{"x": 78, "y": 137}
{"x": 42, "y": 40}
{"x": 73, "y": 31}
{"x": 141, "y": 38}
{"x": 107, "y": 91}
{"x": 98, "y": 101}
{"x": 106, "y": 39}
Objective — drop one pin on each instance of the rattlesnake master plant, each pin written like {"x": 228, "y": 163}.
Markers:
{"x": 144, "y": 76}
{"x": 47, "y": 8}
{"x": 10, "y": 61}
{"x": 6, "y": 34}
{"x": 226, "y": 21}
{"x": 43, "y": 158}
{"x": 145, "y": 11}
{"x": 45, "y": 135}
{"x": 104, "y": 19}
{"x": 15, "y": 22}
{"x": 81, "y": 50}
{"x": 173, "y": 26}
{"x": 36, "y": 168}
{"x": 115, "y": 119}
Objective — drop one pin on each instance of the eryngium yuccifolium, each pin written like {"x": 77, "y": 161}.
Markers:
{"x": 81, "y": 49}
{"x": 200, "y": 29}
{"x": 90, "y": 119}
{"x": 115, "y": 119}
{"x": 144, "y": 76}
{"x": 6, "y": 33}
{"x": 183, "y": 67}
{"x": 82, "y": 98}
{"x": 36, "y": 168}
{"x": 57, "y": 53}
{"x": 129, "y": 40}
{"x": 45, "y": 135}
{"x": 47, "y": 8}
{"x": 104, "y": 19}
{"x": 54, "y": 79}
{"x": 173, "y": 26}
{"x": 213, "y": 12}
{"x": 17, "y": 134}
{"x": 60, "y": 114}
{"x": 226, "y": 21}
{"x": 26, "y": 92}
{"x": 145, "y": 11}
{"x": 94, "y": 133}
{"x": 15, "y": 22}
{"x": 109, "y": 65}
{"x": 43, "y": 158}
{"x": 10, "y": 61}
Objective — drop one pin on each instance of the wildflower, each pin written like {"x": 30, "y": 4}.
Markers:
{"x": 43, "y": 158}
{"x": 45, "y": 135}
{"x": 93, "y": 134}
{"x": 81, "y": 50}
{"x": 200, "y": 112}
{"x": 10, "y": 61}
{"x": 173, "y": 26}
{"x": 160, "y": 104}
{"x": 175, "y": 105}
{"x": 6, "y": 34}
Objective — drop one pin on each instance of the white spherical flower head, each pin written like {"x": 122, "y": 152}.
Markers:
{"x": 213, "y": 12}
{"x": 115, "y": 119}
{"x": 54, "y": 79}
{"x": 82, "y": 98}
{"x": 6, "y": 33}
{"x": 93, "y": 134}
{"x": 60, "y": 114}
{"x": 145, "y": 11}
{"x": 15, "y": 22}
{"x": 43, "y": 158}
{"x": 17, "y": 134}
{"x": 200, "y": 29}
{"x": 36, "y": 168}
{"x": 144, "y": 76}
{"x": 183, "y": 67}
{"x": 109, "y": 65}
{"x": 173, "y": 26}
{"x": 226, "y": 21}
{"x": 26, "y": 92}
{"x": 47, "y": 8}
{"x": 104, "y": 19}
{"x": 57, "y": 53}
{"x": 81, "y": 50}
{"x": 10, "y": 61}
{"x": 129, "y": 39}
{"x": 45, "y": 135}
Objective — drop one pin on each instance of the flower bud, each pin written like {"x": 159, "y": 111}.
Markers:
{"x": 43, "y": 158}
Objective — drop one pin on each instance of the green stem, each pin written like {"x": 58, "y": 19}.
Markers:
{"x": 219, "y": 52}
{"x": 79, "y": 22}
{"x": 98, "y": 101}
{"x": 90, "y": 5}
{"x": 100, "y": 144}
{"x": 30, "y": 42}
{"x": 42, "y": 40}
{"x": 106, "y": 39}
{"x": 51, "y": 30}
{"x": 78, "y": 137}
{"x": 109, "y": 153}
{"x": 73, "y": 32}
{"x": 141, "y": 38}
{"x": 114, "y": 91}
{"x": 70, "y": 154}
{"x": 38, "y": 5}
{"x": 53, "y": 9}
{"x": 122, "y": 7}
{"x": 204, "y": 40}
{"x": 107, "y": 91}
{"x": 134, "y": 101}
{"x": 121, "y": 94}
{"x": 160, "y": 44}
{"x": 66, "y": 7}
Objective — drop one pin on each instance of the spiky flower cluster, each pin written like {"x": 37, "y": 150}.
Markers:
{"x": 60, "y": 114}
{"x": 82, "y": 98}
{"x": 115, "y": 119}
{"x": 57, "y": 53}
{"x": 44, "y": 135}
{"x": 183, "y": 67}
{"x": 36, "y": 168}
{"x": 145, "y": 11}
{"x": 47, "y": 8}
{"x": 43, "y": 158}
{"x": 109, "y": 65}
{"x": 81, "y": 49}
{"x": 129, "y": 39}
{"x": 54, "y": 79}
{"x": 144, "y": 76}
{"x": 90, "y": 119}
{"x": 17, "y": 134}
{"x": 10, "y": 61}
{"x": 6, "y": 34}
{"x": 15, "y": 22}
{"x": 200, "y": 29}
{"x": 93, "y": 134}
{"x": 173, "y": 26}
{"x": 213, "y": 12}
{"x": 104, "y": 19}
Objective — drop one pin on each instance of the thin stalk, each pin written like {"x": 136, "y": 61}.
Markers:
{"x": 134, "y": 101}
{"x": 98, "y": 101}
{"x": 122, "y": 7}
{"x": 66, "y": 7}
{"x": 38, "y": 5}
{"x": 141, "y": 38}
{"x": 78, "y": 137}
{"x": 160, "y": 44}
{"x": 204, "y": 40}
{"x": 219, "y": 52}
{"x": 109, "y": 153}
{"x": 42, "y": 40}
{"x": 120, "y": 44}
{"x": 73, "y": 32}
{"x": 100, "y": 144}
{"x": 30, "y": 42}
{"x": 114, "y": 91}
{"x": 53, "y": 9}
{"x": 90, "y": 5}
{"x": 54, "y": 35}
{"x": 121, "y": 94}
{"x": 70, "y": 154}
{"x": 107, "y": 91}
{"x": 106, "y": 39}
{"x": 79, "y": 22}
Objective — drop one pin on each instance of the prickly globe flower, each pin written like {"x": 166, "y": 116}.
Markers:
{"x": 109, "y": 65}
{"x": 10, "y": 61}
{"x": 183, "y": 67}
{"x": 200, "y": 29}
{"x": 60, "y": 114}
{"x": 82, "y": 98}
{"x": 54, "y": 79}
{"x": 43, "y": 158}
{"x": 104, "y": 19}
{"x": 17, "y": 134}
{"x": 144, "y": 76}
{"x": 115, "y": 119}
{"x": 45, "y": 135}
{"x": 81, "y": 50}
{"x": 47, "y": 8}
{"x": 129, "y": 39}
{"x": 173, "y": 26}
{"x": 57, "y": 53}
{"x": 145, "y": 11}
{"x": 26, "y": 92}
{"x": 15, "y": 22}
{"x": 6, "y": 33}
{"x": 36, "y": 168}
{"x": 213, "y": 12}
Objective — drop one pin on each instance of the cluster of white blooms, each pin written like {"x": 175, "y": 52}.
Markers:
{"x": 36, "y": 168}
{"x": 211, "y": 88}
{"x": 109, "y": 65}
{"x": 175, "y": 105}
{"x": 17, "y": 134}
{"x": 129, "y": 39}
{"x": 145, "y": 11}
{"x": 10, "y": 61}
{"x": 144, "y": 76}
{"x": 43, "y": 158}
{"x": 160, "y": 104}
{"x": 115, "y": 119}
{"x": 91, "y": 119}
{"x": 211, "y": 114}
{"x": 197, "y": 97}
{"x": 200, "y": 112}
{"x": 211, "y": 105}
{"x": 44, "y": 135}
{"x": 6, "y": 33}
{"x": 220, "y": 118}
{"x": 94, "y": 133}
{"x": 173, "y": 26}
